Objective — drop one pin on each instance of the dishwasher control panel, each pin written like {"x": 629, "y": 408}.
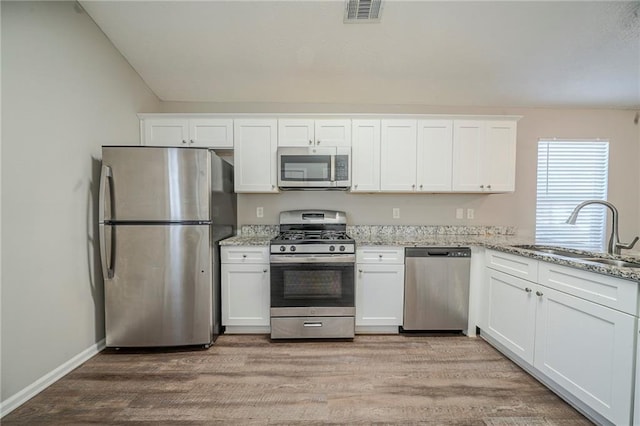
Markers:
{"x": 437, "y": 252}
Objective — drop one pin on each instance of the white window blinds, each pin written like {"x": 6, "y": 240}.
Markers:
{"x": 570, "y": 172}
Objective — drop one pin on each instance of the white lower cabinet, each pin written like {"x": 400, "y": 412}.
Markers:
{"x": 245, "y": 291}
{"x": 588, "y": 349}
{"x": 511, "y": 313}
{"x": 379, "y": 287}
{"x": 379, "y": 295}
{"x": 581, "y": 348}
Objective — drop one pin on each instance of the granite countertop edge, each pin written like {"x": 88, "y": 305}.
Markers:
{"x": 503, "y": 243}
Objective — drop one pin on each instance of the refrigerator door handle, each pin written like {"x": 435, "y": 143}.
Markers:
{"x": 105, "y": 179}
{"x": 107, "y": 262}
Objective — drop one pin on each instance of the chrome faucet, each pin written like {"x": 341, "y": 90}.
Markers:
{"x": 615, "y": 246}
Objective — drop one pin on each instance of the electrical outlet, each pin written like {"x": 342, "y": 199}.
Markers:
{"x": 396, "y": 213}
{"x": 260, "y": 212}
{"x": 470, "y": 213}
{"x": 459, "y": 213}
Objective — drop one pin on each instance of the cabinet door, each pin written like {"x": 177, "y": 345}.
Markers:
{"x": 245, "y": 294}
{"x": 434, "y": 155}
{"x": 588, "y": 350}
{"x": 166, "y": 132}
{"x": 211, "y": 132}
{"x": 255, "y": 155}
{"x": 365, "y": 156}
{"x": 398, "y": 155}
{"x": 379, "y": 294}
{"x": 468, "y": 145}
{"x": 295, "y": 132}
{"x": 511, "y": 313}
{"x": 499, "y": 156}
{"x": 333, "y": 132}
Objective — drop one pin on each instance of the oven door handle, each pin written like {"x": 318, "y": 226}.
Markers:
{"x": 327, "y": 258}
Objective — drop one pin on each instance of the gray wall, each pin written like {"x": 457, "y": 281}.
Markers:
{"x": 517, "y": 209}
{"x": 65, "y": 92}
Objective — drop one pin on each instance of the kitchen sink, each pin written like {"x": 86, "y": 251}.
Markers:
{"x": 552, "y": 250}
{"x": 613, "y": 262}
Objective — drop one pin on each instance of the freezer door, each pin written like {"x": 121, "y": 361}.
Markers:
{"x": 155, "y": 184}
{"x": 160, "y": 291}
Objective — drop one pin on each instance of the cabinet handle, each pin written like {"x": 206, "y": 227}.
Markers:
{"x": 488, "y": 186}
{"x": 191, "y": 141}
{"x": 310, "y": 142}
{"x": 244, "y": 256}
{"x": 273, "y": 187}
{"x": 265, "y": 270}
{"x": 539, "y": 293}
{"x": 420, "y": 186}
{"x": 318, "y": 142}
{"x": 481, "y": 186}
{"x": 184, "y": 141}
{"x": 360, "y": 270}
{"x": 527, "y": 289}
{"x": 413, "y": 186}
{"x": 380, "y": 256}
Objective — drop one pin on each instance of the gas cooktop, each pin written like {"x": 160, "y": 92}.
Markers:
{"x": 316, "y": 231}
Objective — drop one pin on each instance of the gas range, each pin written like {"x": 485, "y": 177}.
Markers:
{"x": 312, "y": 283}
{"x": 312, "y": 232}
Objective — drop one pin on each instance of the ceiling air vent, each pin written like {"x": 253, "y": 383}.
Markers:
{"x": 362, "y": 11}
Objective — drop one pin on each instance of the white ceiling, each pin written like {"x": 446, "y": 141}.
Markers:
{"x": 480, "y": 53}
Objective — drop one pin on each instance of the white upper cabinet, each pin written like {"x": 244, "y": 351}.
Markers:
{"x": 434, "y": 155}
{"x": 333, "y": 133}
{"x": 484, "y": 156}
{"x": 365, "y": 156}
{"x": 211, "y": 132}
{"x": 297, "y": 132}
{"x": 416, "y": 155}
{"x": 411, "y": 154}
{"x": 255, "y": 155}
{"x": 398, "y": 155}
{"x": 195, "y": 132}
{"x": 500, "y": 156}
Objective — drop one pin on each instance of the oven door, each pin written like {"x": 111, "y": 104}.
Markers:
{"x": 306, "y": 168}
{"x": 312, "y": 284}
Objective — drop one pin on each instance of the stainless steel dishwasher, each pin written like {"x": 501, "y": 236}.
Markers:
{"x": 436, "y": 288}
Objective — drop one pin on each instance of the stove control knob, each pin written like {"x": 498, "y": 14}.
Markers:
{"x": 282, "y": 248}
{"x": 332, "y": 248}
{"x": 341, "y": 248}
{"x": 293, "y": 248}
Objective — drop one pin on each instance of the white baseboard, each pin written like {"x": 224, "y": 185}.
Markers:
{"x": 48, "y": 379}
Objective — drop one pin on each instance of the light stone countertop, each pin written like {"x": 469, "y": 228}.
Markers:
{"x": 413, "y": 237}
{"x": 250, "y": 240}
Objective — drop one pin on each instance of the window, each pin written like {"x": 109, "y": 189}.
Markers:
{"x": 570, "y": 172}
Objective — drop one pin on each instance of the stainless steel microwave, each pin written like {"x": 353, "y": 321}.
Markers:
{"x": 314, "y": 168}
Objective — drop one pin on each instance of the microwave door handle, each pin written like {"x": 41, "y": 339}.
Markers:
{"x": 333, "y": 168}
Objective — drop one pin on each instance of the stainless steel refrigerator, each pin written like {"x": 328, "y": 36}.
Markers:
{"x": 162, "y": 212}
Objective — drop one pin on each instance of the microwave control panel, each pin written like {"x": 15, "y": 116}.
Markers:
{"x": 342, "y": 167}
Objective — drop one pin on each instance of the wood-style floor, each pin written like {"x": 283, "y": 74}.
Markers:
{"x": 249, "y": 380}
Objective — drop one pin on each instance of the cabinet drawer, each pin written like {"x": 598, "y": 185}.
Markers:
{"x": 615, "y": 293}
{"x": 244, "y": 254}
{"x": 518, "y": 266}
{"x": 379, "y": 254}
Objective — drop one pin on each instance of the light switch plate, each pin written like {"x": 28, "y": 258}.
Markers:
{"x": 396, "y": 213}
{"x": 470, "y": 213}
{"x": 260, "y": 212}
{"x": 459, "y": 213}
